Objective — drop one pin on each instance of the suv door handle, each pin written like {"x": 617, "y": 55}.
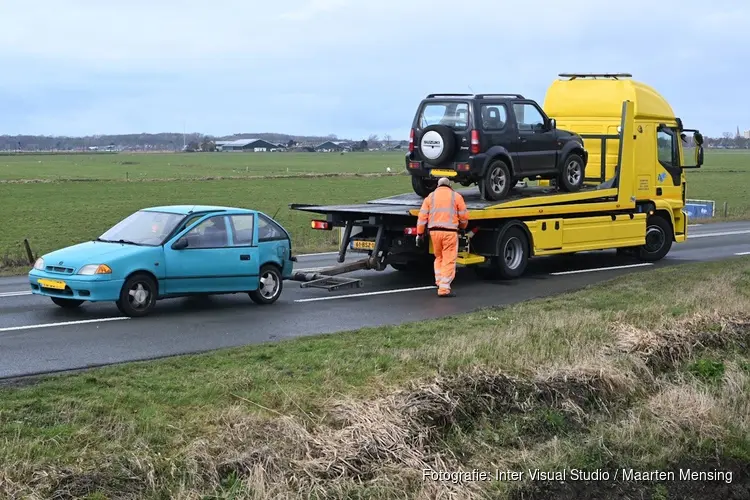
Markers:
{"x": 244, "y": 257}
{"x": 523, "y": 139}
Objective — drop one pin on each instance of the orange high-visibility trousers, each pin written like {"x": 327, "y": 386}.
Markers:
{"x": 445, "y": 246}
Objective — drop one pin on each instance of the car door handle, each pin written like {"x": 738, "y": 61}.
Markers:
{"x": 244, "y": 257}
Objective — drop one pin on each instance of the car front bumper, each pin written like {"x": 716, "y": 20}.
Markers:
{"x": 92, "y": 288}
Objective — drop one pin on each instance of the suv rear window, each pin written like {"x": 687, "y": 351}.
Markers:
{"x": 451, "y": 114}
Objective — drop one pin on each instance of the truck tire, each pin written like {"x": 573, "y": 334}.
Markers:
{"x": 513, "y": 256}
{"x": 437, "y": 144}
{"x": 658, "y": 239}
{"x": 572, "y": 173}
{"x": 497, "y": 181}
{"x": 423, "y": 186}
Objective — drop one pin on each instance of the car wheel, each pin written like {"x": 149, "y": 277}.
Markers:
{"x": 423, "y": 186}
{"x": 497, "y": 181}
{"x": 269, "y": 286}
{"x": 137, "y": 296}
{"x": 658, "y": 239}
{"x": 573, "y": 173}
{"x": 66, "y": 303}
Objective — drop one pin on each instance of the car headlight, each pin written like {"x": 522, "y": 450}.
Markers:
{"x": 39, "y": 264}
{"x": 90, "y": 269}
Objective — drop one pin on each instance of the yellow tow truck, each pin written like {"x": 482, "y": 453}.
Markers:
{"x": 633, "y": 199}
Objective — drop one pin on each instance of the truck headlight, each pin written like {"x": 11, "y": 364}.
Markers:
{"x": 39, "y": 264}
{"x": 91, "y": 269}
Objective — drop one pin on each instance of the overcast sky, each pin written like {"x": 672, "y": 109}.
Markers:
{"x": 348, "y": 67}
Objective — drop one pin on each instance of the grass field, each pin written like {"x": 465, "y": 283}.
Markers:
{"x": 41, "y": 205}
{"x": 649, "y": 372}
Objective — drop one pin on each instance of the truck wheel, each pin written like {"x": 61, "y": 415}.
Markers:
{"x": 573, "y": 173}
{"x": 658, "y": 239}
{"x": 137, "y": 296}
{"x": 497, "y": 181}
{"x": 512, "y": 259}
{"x": 66, "y": 303}
{"x": 269, "y": 287}
{"x": 423, "y": 186}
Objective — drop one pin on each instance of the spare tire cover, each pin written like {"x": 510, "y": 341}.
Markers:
{"x": 432, "y": 145}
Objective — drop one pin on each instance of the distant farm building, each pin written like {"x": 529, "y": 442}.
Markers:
{"x": 254, "y": 145}
{"x": 331, "y": 146}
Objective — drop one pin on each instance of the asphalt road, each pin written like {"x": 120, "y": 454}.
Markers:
{"x": 38, "y": 337}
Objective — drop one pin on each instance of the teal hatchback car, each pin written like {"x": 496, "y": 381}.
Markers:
{"x": 171, "y": 251}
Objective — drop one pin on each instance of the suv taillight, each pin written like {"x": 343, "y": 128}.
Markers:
{"x": 411, "y": 141}
{"x": 475, "y": 142}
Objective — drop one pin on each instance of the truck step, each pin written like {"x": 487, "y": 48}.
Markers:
{"x": 468, "y": 259}
{"x": 331, "y": 283}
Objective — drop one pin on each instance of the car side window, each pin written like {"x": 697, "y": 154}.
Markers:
{"x": 494, "y": 116}
{"x": 211, "y": 233}
{"x": 268, "y": 230}
{"x": 666, "y": 145}
{"x": 242, "y": 229}
{"x": 528, "y": 117}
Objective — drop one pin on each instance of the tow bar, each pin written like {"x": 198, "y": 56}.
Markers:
{"x": 327, "y": 278}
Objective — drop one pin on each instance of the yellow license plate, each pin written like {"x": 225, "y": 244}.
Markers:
{"x": 363, "y": 245}
{"x": 443, "y": 173}
{"x": 54, "y": 284}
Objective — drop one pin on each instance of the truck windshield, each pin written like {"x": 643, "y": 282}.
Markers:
{"x": 451, "y": 114}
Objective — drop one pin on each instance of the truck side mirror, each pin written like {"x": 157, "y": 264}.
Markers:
{"x": 699, "y": 155}
{"x": 698, "y": 138}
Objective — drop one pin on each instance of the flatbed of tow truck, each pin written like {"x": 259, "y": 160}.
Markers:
{"x": 623, "y": 213}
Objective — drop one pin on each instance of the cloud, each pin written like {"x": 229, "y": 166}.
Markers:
{"x": 344, "y": 66}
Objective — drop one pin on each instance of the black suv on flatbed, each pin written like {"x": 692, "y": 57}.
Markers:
{"x": 493, "y": 140}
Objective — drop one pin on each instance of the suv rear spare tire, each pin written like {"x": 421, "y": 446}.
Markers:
{"x": 437, "y": 144}
{"x": 572, "y": 174}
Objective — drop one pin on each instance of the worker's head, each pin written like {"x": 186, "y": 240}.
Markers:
{"x": 444, "y": 181}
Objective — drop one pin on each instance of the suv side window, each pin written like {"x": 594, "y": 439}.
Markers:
{"x": 528, "y": 116}
{"x": 666, "y": 145}
{"x": 494, "y": 116}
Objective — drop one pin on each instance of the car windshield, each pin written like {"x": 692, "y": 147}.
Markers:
{"x": 451, "y": 114}
{"x": 143, "y": 228}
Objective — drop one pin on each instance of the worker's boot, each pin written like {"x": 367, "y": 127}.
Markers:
{"x": 449, "y": 294}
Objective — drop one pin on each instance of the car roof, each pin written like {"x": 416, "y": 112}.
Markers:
{"x": 189, "y": 209}
{"x": 463, "y": 97}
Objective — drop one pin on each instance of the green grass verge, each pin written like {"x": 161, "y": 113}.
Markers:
{"x": 624, "y": 374}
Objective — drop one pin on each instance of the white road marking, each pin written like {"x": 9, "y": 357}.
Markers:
{"x": 316, "y": 254}
{"x": 694, "y": 225}
{"x": 711, "y": 235}
{"x": 601, "y": 269}
{"x": 63, "y": 323}
{"x": 368, "y": 294}
{"x": 742, "y": 253}
{"x": 14, "y": 294}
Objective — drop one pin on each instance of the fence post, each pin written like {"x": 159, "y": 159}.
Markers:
{"x": 726, "y": 209}
{"x": 29, "y": 253}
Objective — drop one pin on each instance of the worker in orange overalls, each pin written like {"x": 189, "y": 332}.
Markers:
{"x": 443, "y": 213}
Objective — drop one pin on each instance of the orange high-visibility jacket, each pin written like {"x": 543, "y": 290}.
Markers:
{"x": 444, "y": 208}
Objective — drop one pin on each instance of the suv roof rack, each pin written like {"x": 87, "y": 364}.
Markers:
{"x": 614, "y": 76}
{"x": 429, "y": 96}
{"x": 482, "y": 96}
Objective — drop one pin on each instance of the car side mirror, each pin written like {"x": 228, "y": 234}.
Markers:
{"x": 552, "y": 124}
{"x": 180, "y": 244}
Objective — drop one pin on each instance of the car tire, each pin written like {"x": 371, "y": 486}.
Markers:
{"x": 497, "y": 181}
{"x": 447, "y": 140}
{"x": 512, "y": 259}
{"x": 658, "y": 239}
{"x": 270, "y": 285}
{"x": 572, "y": 174}
{"x": 423, "y": 186}
{"x": 66, "y": 303}
{"x": 137, "y": 295}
